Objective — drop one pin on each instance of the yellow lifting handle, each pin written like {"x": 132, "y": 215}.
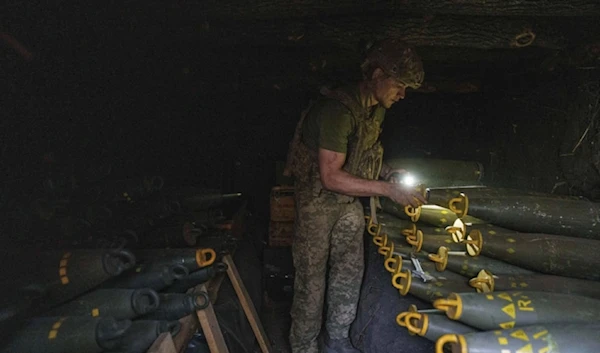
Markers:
{"x": 459, "y": 205}
{"x": 474, "y": 242}
{"x": 402, "y": 281}
{"x": 416, "y": 241}
{"x": 387, "y": 249}
{"x": 400, "y": 318}
{"x": 484, "y": 282}
{"x": 452, "y": 306}
{"x": 440, "y": 259}
{"x": 410, "y": 232}
{"x": 413, "y": 212}
{"x": 205, "y": 257}
{"x": 423, "y": 319}
{"x": 450, "y": 338}
{"x": 372, "y": 228}
{"x": 387, "y": 245}
{"x": 393, "y": 264}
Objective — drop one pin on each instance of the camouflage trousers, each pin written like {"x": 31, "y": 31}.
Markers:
{"x": 329, "y": 262}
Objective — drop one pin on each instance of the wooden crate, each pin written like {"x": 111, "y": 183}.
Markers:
{"x": 281, "y": 233}
{"x": 282, "y": 204}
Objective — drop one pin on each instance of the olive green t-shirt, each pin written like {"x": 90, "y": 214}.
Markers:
{"x": 329, "y": 124}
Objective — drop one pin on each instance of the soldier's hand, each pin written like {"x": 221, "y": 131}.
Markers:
{"x": 405, "y": 196}
{"x": 395, "y": 175}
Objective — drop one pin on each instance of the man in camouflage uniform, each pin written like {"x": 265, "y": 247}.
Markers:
{"x": 336, "y": 157}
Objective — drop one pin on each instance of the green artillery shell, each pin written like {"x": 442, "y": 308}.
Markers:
{"x": 156, "y": 277}
{"x": 431, "y": 327}
{"x": 197, "y": 277}
{"x": 142, "y": 333}
{"x": 174, "y": 306}
{"x": 533, "y": 213}
{"x": 489, "y": 311}
{"x": 439, "y": 172}
{"x": 546, "y": 338}
{"x": 67, "y": 335}
{"x": 117, "y": 303}
{"x": 545, "y": 253}
{"x": 440, "y": 287}
{"x": 430, "y": 214}
{"x": 471, "y": 266}
{"x": 65, "y": 274}
{"x": 489, "y": 281}
{"x": 191, "y": 258}
{"x": 432, "y": 242}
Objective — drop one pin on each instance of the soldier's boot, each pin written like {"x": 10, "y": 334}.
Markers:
{"x": 342, "y": 345}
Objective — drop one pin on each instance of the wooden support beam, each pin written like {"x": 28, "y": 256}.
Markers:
{"x": 247, "y": 305}
{"x": 210, "y": 327}
{"x": 163, "y": 344}
{"x": 189, "y": 326}
{"x": 269, "y": 9}
{"x": 442, "y": 31}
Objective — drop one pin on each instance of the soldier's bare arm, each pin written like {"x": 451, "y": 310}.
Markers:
{"x": 336, "y": 179}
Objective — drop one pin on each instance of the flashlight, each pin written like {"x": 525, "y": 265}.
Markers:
{"x": 408, "y": 180}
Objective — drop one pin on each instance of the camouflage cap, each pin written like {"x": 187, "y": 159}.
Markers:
{"x": 398, "y": 60}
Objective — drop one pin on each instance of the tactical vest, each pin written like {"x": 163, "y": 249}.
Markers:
{"x": 363, "y": 157}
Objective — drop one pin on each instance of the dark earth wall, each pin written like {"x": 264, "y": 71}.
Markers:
{"x": 101, "y": 88}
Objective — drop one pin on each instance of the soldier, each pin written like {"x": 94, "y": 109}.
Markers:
{"x": 335, "y": 157}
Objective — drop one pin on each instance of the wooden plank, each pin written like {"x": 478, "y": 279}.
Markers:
{"x": 163, "y": 344}
{"x": 189, "y": 326}
{"x": 210, "y": 327}
{"x": 213, "y": 287}
{"x": 247, "y": 305}
{"x": 281, "y": 9}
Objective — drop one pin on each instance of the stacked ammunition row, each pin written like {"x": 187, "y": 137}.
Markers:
{"x": 505, "y": 270}
{"x": 108, "y": 265}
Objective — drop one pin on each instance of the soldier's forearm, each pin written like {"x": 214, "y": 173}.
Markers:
{"x": 345, "y": 183}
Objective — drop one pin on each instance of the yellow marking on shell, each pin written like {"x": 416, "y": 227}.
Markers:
{"x": 504, "y": 296}
{"x": 62, "y": 271}
{"x": 63, "y": 262}
{"x": 520, "y": 334}
{"x": 95, "y": 312}
{"x": 465, "y": 267}
{"x": 540, "y": 334}
{"x": 525, "y": 349}
{"x": 64, "y": 280}
{"x": 510, "y": 250}
{"x": 443, "y": 220}
{"x": 502, "y": 341}
{"x": 524, "y": 305}
{"x": 523, "y": 285}
{"x": 510, "y": 310}
{"x": 507, "y": 325}
{"x": 510, "y": 240}
{"x": 52, "y": 334}
{"x": 492, "y": 232}
{"x": 448, "y": 241}
{"x": 489, "y": 297}
{"x": 544, "y": 350}
{"x": 444, "y": 212}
